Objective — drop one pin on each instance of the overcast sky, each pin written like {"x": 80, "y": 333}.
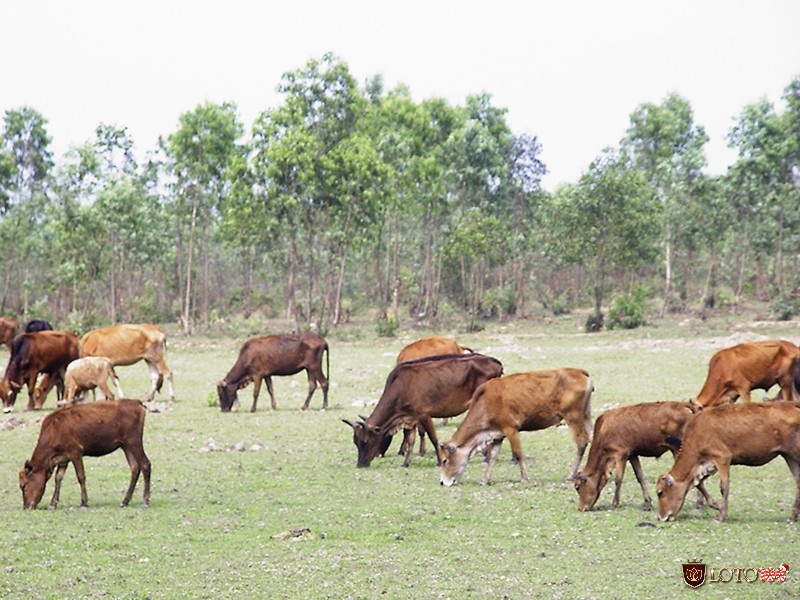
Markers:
{"x": 570, "y": 72}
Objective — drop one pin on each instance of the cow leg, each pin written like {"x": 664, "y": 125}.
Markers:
{"x": 60, "y": 470}
{"x": 409, "y": 438}
{"x": 155, "y": 380}
{"x": 516, "y": 450}
{"x": 31, "y": 392}
{"x": 582, "y": 434}
{"x": 491, "y": 458}
{"x": 426, "y": 423}
{"x": 422, "y": 449}
{"x": 77, "y": 462}
{"x": 702, "y": 494}
{"x": 257, "y": 391}
{"x": 637, "y": 470}
{"x": 139, "y": 463}
{"x": 268, "y": 381}
{"x": 312, "y": 385}
{"x": 794, "y": 467}
{"x": 723, "y": 468}
{"x": 117, "y": 385}
{"x": 163, "y": 373}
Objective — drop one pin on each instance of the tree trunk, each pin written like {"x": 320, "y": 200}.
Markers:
{"x": 186, "y": 317}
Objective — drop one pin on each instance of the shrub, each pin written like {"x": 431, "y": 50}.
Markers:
{"x": 628, "y": 311}
{"x": 594, "y": 322}
{"x": 386, "y": 326}
{"x": 785, "y": 308}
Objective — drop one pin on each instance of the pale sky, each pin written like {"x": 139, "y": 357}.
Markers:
{"x": 569, "y": 72}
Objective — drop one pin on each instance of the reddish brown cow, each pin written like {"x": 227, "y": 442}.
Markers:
{"x": 731, "y": 434}
{"x": 8, "y": 331}
{"x": 69, "y": 434}
{"x": 430, "y": 346}
{"x": 622, "y": 435}
{"x": 128, "y": 344}
{"x": 287, "y": 354}
{"x": 417, "y": 391}
{"x": 734, "y": 371}
{"x": 503, "y": 407}
{"x": 47, "y": 352}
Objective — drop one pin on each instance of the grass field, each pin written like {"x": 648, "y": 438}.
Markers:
{"x": 271, "y": 505}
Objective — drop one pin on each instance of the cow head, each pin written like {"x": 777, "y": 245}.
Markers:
{"x": 453, "y": 462}
{"x": 9, "y": 390}
{"x": 227, "y": 395}
{"x": 32, "y": 483}
{"x": 671, "y": 494}
{"x": 589, "y": 488}
{"x": 370, "y": 441}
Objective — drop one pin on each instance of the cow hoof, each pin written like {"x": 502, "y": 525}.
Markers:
{"x": 7, "y": 409}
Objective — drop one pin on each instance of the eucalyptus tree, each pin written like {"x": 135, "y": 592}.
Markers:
{"x": 199, "y": 154}
{"x": 666, "y": 144}
{"x": 26, "y": 163}
{"x": 766, "y": 192}
{"x": 606, "y": 223}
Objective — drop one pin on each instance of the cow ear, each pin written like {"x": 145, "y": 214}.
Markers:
{"x": 449, "y": 448}
{"x": 28, "y": 467}
{"x": 669, "y": 480}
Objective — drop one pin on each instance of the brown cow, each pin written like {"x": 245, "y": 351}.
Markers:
{"x": 417, "y": 391}
{"x": 430, "y": 346}
{"x": 433, "y": 345}
{"x": 128, "y": 344}
{"x": 69, "y": 434}
{"x": 287, "y": 354}
{"x": 86, "y": 374}
{"x": 8, "y": 331}
{"x": 734, "y": 371}
{"x": 503, "y": 407}
{"x": 47, "y": 352}
{"x": 731, "y": 434}
{"x": 622, "y": 435}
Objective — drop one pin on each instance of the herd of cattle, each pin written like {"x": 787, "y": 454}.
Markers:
{"x": 434, "y": 378}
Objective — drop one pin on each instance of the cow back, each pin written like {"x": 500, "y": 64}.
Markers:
{"x": 124, "y": 344}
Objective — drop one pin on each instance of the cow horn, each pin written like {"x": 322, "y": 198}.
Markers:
{"x": 353, "y": 425}
{"x": 362, "y": 417}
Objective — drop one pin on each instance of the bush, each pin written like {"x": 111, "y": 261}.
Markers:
{"x": 627, "y": 312}
{"x": 785, "y": 308}
{"x": 386, "y": 327}
{"x": 594, "y": 322}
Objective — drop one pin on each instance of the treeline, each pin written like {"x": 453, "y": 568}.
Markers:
{"x": 351, "y": 200}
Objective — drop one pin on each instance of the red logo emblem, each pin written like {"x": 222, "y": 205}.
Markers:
{"x": 694, "y": 573}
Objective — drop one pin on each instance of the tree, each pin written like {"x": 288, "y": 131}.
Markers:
{"x": 200, "y": 151}
{"x": 606, "y": 223}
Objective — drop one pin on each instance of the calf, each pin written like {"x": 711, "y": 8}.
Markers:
{"x": 416, "y": 392}
{"x": 734, "y": 371}
{"x": 262, "y": 357}
{"x": 69, "y": 434}
{"x": 501, "y": 408}
{"x": 86, "y": 374}
{"x": 731, "y": 434}
{"x": 624, "y": 434}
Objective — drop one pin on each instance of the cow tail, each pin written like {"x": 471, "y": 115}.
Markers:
{"x": 327, "y": 352}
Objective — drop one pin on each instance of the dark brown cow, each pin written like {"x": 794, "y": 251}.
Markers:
{"x": 69, "y": 434}
{"x": 731, "y": 434}
{"x": 287, "y": 354}
{"x": 503, "y": 407}
{"x": 128, "y": 344}
{"x": 622, "y": 435}
{"x": 47, "y": 352}
{"x": 8, "y": 331}
{"x": 430, "y": 346}
{"x": 433, "y": 345}
{"x": 734, "y": 371}
{"x": 417, "y": 391}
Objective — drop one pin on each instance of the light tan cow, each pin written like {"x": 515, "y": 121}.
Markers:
{"x": 128, "y": 344}
{"x": 86, "y": 374}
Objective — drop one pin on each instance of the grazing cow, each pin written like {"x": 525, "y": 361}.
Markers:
{"x": 433, "y": 345}
{"x": 47, "y": 352}
{"x": 69, "y": 434}
{"x": 35, "y": 325}
{"x": 430, "y": 346}
{"x": 624, "y": 434}
{"x": 287, "y": 354}
{"x": 86, "y": 374}
{"x": 734, "y": 371}
{"x": 501, "y": 408}
{"x": 8, "y": 331}
{"x": 731, "y": 434}
{"x": 128, "y": 344}
{"x": 415, "y": 392}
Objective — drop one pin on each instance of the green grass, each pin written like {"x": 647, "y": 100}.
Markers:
{"x": 217, "y": 524}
